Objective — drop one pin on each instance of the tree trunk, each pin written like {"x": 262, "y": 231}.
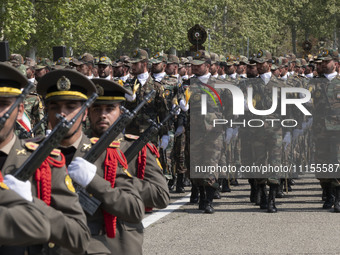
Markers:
{"x": 293, "y": 28}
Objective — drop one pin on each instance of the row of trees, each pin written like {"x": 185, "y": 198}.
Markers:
{"x": 118, "y": 26}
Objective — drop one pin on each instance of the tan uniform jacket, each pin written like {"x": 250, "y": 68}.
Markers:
{"x": 122, "y": 201}
{"x": 155, "y": 193}
{"x": 65, "y": 212}
{"x": 21, "y": 221}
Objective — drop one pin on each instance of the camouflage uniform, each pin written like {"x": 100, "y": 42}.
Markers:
{"x": 326, "y": 128}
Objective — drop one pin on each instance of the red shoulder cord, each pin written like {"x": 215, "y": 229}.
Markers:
{"x": 43, "y": 177}
{"x": 142, "y": 164}
{"x": 1, "y": 178}
{"x": 110, "y": 164}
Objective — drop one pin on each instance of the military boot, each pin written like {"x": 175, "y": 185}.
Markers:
{"x": 337, "y": 200}
{"x": 280, "y": 193}
{"x": 201, "y": 204}
{"x": 180, "y": 184}
{"x": 210, "y": 191}
{"x": 252, "y": 190}
{"x": 329, "y": 197}
{"x": 271, "y": 198}
{"x": 323, "y": 196}
{"x": 194, "y": 194}
{"x": 225, "y": 186}
{"x": 263, "y": 199}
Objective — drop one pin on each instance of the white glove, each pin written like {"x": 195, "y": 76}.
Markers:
{"x": 309, "y": 122}
{"x": 21, "y": 188}
{"x": 287, "y": 139}
{"x": 82, "y": 171}
{"x": 178, "y": 110}
{"x": 304, "y": 125}
{"x": 246, "y": 108}
{"x": 297, "y": 133}
{"x": 183, "y": 106}
{"x": 130, "y": 98}
{"x": 229, "y": 134}
{"x": 48, "y": 131}
{"x": 165, "y": 141}
{"x": 179, "y": 130}
{"x": 235, "y": 133}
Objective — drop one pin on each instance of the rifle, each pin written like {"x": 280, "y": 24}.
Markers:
{"x": 146, "y": 136}
{"x": 18, "y": 101}
{"x": 89, "y": 203}
{"x": 106, "y": 139}
{"x": 36, "y": 126}
{"x": 28, "y": 168}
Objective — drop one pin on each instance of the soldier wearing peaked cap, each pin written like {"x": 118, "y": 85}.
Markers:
{"x": 159, "y": 63}
{"x": 326, "y": 125}
{"x": 43, "y": 67}
{"x": 105, "y": 70}
{"x": 84, "y": 64}
{"x": 64, "y": 92}
{"x": 205, "y": 185}
{"x": 146, "y": 176}
{"x": 121, "y": 69}
{"x": 214, "y": 68}
{"x": 267, "y": 139}
{"x": 51, "y": 186}
{"x": 141, "y": 85}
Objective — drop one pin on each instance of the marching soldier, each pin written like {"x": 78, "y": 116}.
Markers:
{"x": 51, "y": 185}
{"x": 148, "y": 179}
{"x": 142, "y": 84}
{"x": 326, "y": 125}
{"x": 64, "y": 92}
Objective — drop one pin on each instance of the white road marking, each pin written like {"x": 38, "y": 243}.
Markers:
{"x": 163, "y": 212}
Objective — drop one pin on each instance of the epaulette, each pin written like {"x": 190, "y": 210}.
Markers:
{"x": 33, "y": 146}
{"x": 132, "y": 137}
{"x": 114, "y": 144}
{"x": 3, "y": 185}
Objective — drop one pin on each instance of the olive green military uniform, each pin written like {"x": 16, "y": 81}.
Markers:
{"x": 22, "y": 222}
{"x": 147, "y": 178}
{"x": 123, "y": 201}
{"x": 70, "y": 230}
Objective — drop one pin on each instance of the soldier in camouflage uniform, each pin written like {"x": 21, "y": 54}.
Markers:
{"x": 155, "y": 110}
{"x": 266, "y": 141}
{"x": 326, "y": 125}
{"x": 212, "y": 137}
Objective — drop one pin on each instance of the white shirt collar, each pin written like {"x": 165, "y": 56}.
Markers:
{"x": 310, "y": 75}
{"x": 31, "y": 80}
{"x": 159, "y": 76}
{"x": 331, "y": 76}
{"x": 223, "y": 76}
{"x": 90, "y": 77}
{"x": 285, "y": 77}
{"x": 233, "y": 76}
{"x": 142, "y": 78}
{"x": 243, "y": 75}
{"x": 124, "y": 78}
{"x": 204, "y": 78}
{"x": 185, "y": 77}
{"x": 215, "y": 75}
{"x": 266, "y": 77}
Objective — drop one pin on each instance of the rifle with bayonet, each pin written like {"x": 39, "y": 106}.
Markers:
{"x": 18, "y": 101}
{"x": 28, "y": 168}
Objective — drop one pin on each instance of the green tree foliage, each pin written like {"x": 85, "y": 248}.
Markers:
{"x": 116, "y": 27}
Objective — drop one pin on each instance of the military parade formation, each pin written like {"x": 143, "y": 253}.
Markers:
{"x": 89, "y": 145}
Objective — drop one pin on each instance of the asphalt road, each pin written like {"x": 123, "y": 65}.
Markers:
{"x": 238, "y": 227}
